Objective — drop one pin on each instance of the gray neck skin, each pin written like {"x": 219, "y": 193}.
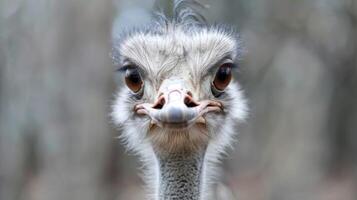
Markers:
{"x": 180, "y": 176}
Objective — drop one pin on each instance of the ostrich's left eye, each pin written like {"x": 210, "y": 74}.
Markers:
{"x": 133, "y": 80}
{"x": 223, "y": 77}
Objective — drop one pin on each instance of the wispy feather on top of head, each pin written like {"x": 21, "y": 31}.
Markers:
{"x": 185, "y": 13}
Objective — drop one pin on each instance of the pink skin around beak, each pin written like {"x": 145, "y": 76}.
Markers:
{"x": 175, "y": 107}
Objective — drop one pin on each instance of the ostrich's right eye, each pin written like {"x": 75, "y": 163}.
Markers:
{"x": 133, "y": 79}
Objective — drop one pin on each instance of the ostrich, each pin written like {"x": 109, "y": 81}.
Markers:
{"x": 179, "y": 108}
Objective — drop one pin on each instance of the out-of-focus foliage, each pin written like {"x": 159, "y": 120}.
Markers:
{"x": 299, "y": 71}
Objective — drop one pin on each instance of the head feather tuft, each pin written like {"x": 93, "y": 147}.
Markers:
{"x": 185, "y": 12}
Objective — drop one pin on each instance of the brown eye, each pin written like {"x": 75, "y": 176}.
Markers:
{"x": 133, "y": 80}
{"x": 223, "y": 76}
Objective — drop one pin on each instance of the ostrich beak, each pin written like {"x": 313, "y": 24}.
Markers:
{"x": 175, "y": 107}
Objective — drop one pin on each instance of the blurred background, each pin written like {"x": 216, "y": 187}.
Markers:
{"x": 299, "y": 72}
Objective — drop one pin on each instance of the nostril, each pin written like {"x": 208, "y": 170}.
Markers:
{"x": 189, "y": 93}
{"x": 160, "y": 103}
{"x": 189, "y": 102}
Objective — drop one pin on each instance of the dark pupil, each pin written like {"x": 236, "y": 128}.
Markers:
{"x": 134, "y": 76}
{"x": 223, "y": 73}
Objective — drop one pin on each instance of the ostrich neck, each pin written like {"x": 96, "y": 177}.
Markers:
{"x": 180, "y": 176}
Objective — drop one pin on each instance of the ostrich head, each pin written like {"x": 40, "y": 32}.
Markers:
{"x": 180, "y": 93}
